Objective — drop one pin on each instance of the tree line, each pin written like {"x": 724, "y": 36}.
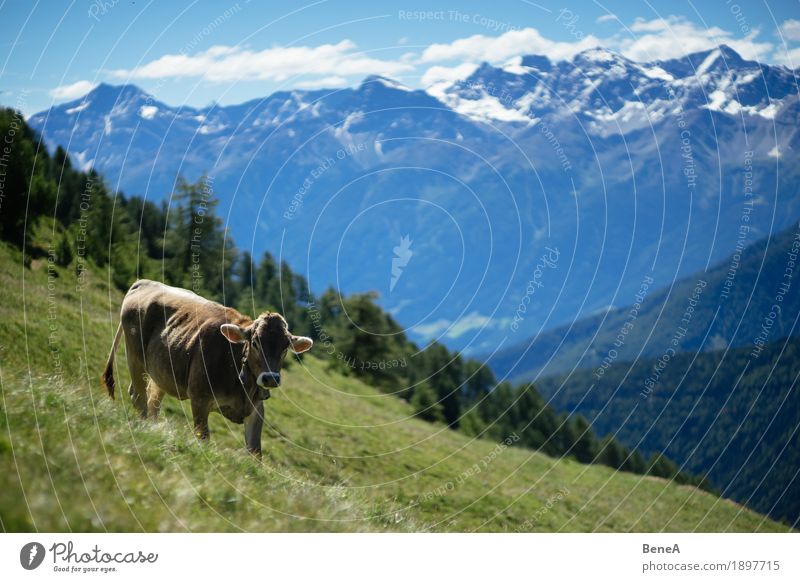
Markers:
{"x": 182, "y": 241}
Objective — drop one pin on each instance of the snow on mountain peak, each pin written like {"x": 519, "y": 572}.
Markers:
{"x": 707, "y": 62}
{"x": 607, "y": 90}
{"x": 148, "y": 111}
{"x": 616, "y": 94}
{"x": 384, "y": 81}
{"x": 598, "y": 55}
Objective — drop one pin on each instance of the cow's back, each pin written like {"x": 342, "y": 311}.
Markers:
{"x": 168, "y": 327}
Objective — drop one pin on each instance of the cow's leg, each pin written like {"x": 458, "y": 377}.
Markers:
{"x": 138, "y": 387}
{"x": 252, "y": 429}
{"x": 154, "y": 397}
{"x": 200, "y": 419}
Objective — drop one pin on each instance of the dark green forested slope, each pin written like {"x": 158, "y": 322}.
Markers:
{"x": 733, "y": 414}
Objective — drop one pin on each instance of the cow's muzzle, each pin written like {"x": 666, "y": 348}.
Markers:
{"x": 269, "y": 379}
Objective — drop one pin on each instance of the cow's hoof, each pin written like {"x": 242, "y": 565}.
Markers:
{"x": 256, "y": 454}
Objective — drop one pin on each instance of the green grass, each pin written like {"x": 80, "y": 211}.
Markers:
{"x": 338, "y": 455}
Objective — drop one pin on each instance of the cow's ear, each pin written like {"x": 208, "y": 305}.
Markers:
{"x": 233, "y": 333}
{"x": 301, "y": 344}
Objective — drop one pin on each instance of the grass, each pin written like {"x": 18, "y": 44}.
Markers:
{"x": 338, "y": 455}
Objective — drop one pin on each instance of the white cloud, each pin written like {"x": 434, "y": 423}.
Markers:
{"x": 790, "y": 58}
{"x": 674, "y": 37}
{"x": 473, "y": 320}
{"x": 225, "y": 63}
{"x": 73, "y": 91}
{"x": 433, "y": 329}
{"x": 467, "y": 323}
{"x": 337, "y": 65}
{"x": 322, "y": 83}
{"x": 643, "y": 41}
{"x": 790, "y": 30}
{"x": 655, "y": 25}
{"x": 607, "y": 18}
{"x": 513, "y": 43}
{"x": 438, "y": 73}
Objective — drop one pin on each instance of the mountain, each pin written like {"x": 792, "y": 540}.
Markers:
{"x": 611, "y": 94}
{"x": 339, "y": 455}
{"x": 728, "y": 414}
{"x": 619, "y": 169}
{"x": 749, "y": 298}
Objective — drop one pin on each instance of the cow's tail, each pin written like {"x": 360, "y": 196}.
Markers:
{"x": 107, "y": 379}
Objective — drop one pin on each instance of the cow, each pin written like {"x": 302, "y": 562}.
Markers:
{"x": 178, "y": 343}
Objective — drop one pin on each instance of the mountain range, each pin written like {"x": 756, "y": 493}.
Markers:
{"x": 749, "y": 298}
{"x": 486, "y": 210}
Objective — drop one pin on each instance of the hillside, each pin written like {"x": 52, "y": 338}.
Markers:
{"x": 728, "y": 311}
{"x": 724, "y": 413}
{"x": 339, "y": 456}
{"x": 73, "y": 220}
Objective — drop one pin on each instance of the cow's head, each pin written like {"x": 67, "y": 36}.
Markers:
{"x": 266, "y": 342}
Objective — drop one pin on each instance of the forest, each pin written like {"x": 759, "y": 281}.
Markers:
{"x": 725, "y": 413}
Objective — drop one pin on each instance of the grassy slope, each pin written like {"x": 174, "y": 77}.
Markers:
{"x": 338, "y": 455}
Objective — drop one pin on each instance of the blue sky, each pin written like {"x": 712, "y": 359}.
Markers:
{"x": 199, "y": 52}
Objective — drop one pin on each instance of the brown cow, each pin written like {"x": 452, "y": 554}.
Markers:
{"x": 190, "y": 347}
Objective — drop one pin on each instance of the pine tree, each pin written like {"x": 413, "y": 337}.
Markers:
{"x": 64, "y": 253}
{"x": 471, "y": 423}
{"x": 586, "y": 446}
{"x": 660, "y": 466}
{"x": 198, "y": 254}
{"x": 636, "y": 463}
{"x": 612, "y": 453}
{"x": 426, "y": 405}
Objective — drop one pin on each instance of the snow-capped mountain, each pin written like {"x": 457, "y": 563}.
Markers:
{"x": 619, "y": 169}
{"x": 611, "y": 93}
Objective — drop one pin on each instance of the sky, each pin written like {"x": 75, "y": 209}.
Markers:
{"x": 201, "y": 52}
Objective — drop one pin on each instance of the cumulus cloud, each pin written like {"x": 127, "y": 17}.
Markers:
{"x": 644, "y": 40}
{"x": 790, "y": 58}
{"x": 322, "y": 83}
{"x": 674, "y": 37}
{"x": 338, "y": 64}
{"x": 226, "y": 63}
{"x": 790, "y": 30}
{"x": 510, "y": 44}
{"x": 72, "y": 91}
{"x": 438, "y": 73}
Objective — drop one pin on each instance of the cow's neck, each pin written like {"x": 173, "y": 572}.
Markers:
{"x": 258, "y": 393}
